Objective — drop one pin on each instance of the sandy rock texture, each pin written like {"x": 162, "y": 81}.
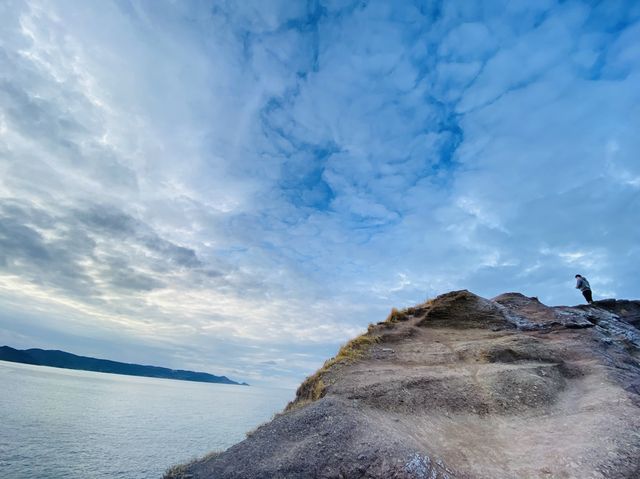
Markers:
{"x": 463, "y": 387}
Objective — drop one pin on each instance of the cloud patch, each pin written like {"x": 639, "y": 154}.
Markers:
{"x": 241, "y": 187}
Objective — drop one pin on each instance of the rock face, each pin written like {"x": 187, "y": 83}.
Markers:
{"x": 463, "y": 387}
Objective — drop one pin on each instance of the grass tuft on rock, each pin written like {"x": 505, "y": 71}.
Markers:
{"x": 181, "y": 471}
{"x": 315, "y": 387}
{"x": 397, "y": 315}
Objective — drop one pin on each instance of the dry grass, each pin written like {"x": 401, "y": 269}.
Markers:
{"x": 354, "y": 349}
{"x": 176, "y": 472}
{"x": 181, "y": 471}
{"x": 315, "y": 387}
{"x": 397, "y": 315}
{"x": 318, "y": 390}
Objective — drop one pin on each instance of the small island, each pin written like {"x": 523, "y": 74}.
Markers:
{"x": 62, "y": 359}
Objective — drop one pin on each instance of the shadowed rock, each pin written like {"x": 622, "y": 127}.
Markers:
{"x": 463, "y": 387}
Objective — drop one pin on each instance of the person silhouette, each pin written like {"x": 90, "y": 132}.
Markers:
{"x": 583, "y": 285}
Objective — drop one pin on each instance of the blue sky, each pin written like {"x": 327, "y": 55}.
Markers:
{"x": 239, "y": 187}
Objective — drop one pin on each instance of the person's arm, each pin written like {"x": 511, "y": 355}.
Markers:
{"x": 579, "y": 283}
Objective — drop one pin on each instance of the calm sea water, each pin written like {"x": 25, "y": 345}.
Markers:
{"x": 58, "y": 423}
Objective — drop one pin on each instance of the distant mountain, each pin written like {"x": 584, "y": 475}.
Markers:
{"x": 16, "y": 356}
{"x": 62, "y": 359}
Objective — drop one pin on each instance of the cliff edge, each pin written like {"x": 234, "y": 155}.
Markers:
{"x": 462, "y": 387}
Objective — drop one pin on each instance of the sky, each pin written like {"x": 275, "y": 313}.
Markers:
{"x": 240, "y": 187}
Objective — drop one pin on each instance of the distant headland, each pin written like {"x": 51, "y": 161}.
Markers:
{"x": 62, "y": 359}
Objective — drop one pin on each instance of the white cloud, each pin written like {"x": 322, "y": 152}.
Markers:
{"x": 241, "y": 187}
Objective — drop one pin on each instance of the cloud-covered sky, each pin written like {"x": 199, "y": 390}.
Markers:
{"x": 239, "y": 187}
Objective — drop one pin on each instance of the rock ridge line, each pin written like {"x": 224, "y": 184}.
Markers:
{"x": 462, "y": 387}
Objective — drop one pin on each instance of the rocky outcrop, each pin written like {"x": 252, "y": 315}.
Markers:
{"x": 463, "y": 387}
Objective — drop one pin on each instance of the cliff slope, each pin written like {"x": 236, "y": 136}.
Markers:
{"x": 463, "y": 387}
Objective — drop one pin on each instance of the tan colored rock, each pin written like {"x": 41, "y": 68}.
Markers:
{"x": 464, "y": 387}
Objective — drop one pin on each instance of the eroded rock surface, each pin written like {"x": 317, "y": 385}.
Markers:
{"x": 465, "y": 387}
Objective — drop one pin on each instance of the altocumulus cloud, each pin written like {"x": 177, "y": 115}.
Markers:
{"x": 240, "y": 186}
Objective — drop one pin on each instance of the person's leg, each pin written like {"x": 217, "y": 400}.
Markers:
{"x": 587, "y": 295}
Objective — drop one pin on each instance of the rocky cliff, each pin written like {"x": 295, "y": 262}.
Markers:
{"x": 462, "y": 387}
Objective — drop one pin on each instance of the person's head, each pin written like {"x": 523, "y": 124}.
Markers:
{"x": 578, "y": 276}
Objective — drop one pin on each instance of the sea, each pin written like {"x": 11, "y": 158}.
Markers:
{"x": 60, "y": 423}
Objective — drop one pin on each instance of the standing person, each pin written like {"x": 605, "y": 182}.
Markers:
{"x": 584, "y": 286}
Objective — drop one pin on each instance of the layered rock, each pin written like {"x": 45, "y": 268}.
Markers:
{"x": 463, "y": 387}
